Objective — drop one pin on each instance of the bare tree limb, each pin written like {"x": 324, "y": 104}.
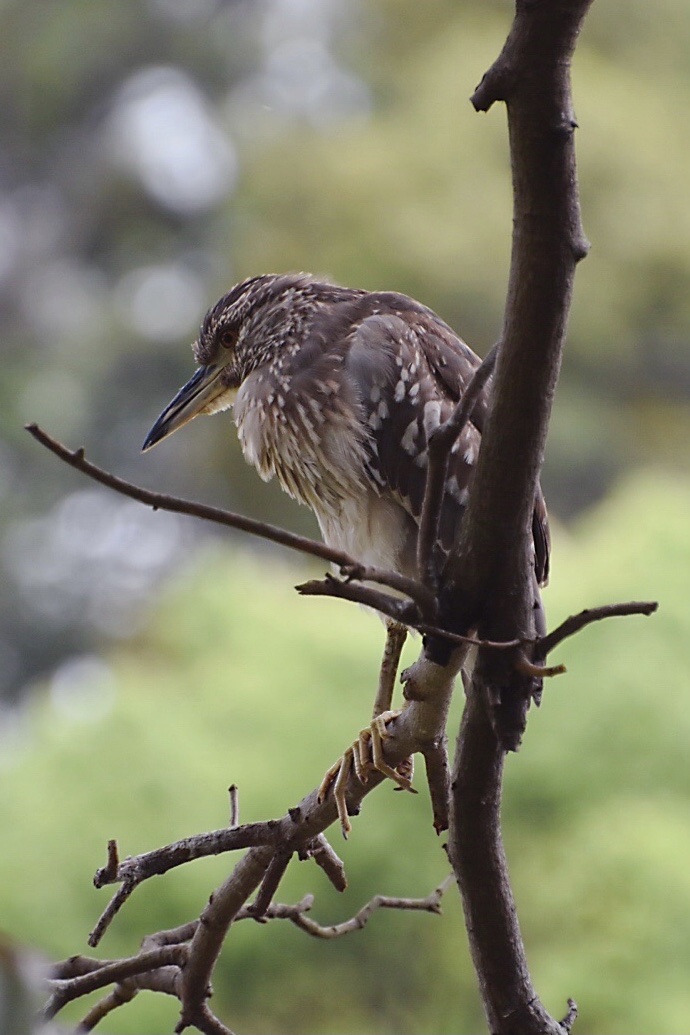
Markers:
{"x": 158, "y": 861}
{"x": 417, "y": 728}
{"x": 350, "y": 566}
{"x": 161, "y": 969}
{"x": 402, "y": 611}
{"x": 269, "y": 885}
{"x": 399, "y": 610}
{"x": 430, "y": 904}
{"x": 134, "y": 870}
{"x": 326, "y": 859}
{"x": 208, "y": 1023}
{"x": 570, "y": 1018}
{"x": 111, "y": 910}
{"x": 119, "y": 996}
{"x": 115, "y": 972}
{"x": 161, "y": 501}
{"x": 221, "y": 910}
{"x": 480, "y": 865}
{"x": 575, "y": 623}
{"x": 233, "y": 794}
{"x": 489, "y": 579}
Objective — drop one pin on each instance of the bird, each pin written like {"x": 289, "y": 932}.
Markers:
{"x": 336, "y": 392}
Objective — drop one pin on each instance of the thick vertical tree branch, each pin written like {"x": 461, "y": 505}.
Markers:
{"x": 511, "y": 1004}
{"x": 489, "y": 582}
{"x": 532, "y": 76}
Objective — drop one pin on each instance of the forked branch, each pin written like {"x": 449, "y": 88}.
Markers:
{"x": 160, "y": 968}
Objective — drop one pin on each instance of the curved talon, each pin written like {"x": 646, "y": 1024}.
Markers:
{"x": 378, "y": 734}
{"x": 360, "y": 760}
{"x": 365, "y": 755}
{"x": 406, "y": 770}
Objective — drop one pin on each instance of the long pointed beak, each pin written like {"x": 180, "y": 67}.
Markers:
{"x": 196, "y": 397}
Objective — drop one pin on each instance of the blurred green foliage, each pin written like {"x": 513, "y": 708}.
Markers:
{"x": 236, "y": 680}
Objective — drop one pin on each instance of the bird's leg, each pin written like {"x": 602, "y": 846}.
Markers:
{"x": 396, "y": 635}
{"x": 366, "y": 754}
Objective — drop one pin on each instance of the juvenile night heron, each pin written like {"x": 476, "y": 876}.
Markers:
{"x": 336, "y": 392}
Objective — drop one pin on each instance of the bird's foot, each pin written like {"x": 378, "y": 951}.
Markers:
{"x": 364, "y": 756}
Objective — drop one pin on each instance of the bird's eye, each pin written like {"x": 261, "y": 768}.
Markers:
{"x": 228, "y": 339}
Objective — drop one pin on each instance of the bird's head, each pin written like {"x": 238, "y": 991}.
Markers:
{"x": 246, "y": 328}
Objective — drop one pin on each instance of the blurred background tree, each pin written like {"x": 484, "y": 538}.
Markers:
{"x": 158, "y": 151}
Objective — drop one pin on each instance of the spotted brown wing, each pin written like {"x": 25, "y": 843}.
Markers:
{"x": 411, "y": 370}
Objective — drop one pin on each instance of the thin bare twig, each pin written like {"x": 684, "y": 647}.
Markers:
{"x": 113, "y": 972}
{"x": 438, "y": 780}
{"x": 570, "y": 1017}
{"x": 215, "y": 842}
{"x": 234, "y": 805}
{"x": 113, "y": 862}
{"x": 135, "y": 869}
{"x": 207, "y": 1022}
{"x": 402, "y": 611}
{"x": 119, "y": 996}
{"x": 350, "y": 566}
{"x": 323, "y": 854}
{"x": 420, "y": 594}
{"x": 439, "y": 447}
{"x": 399, "y": 610}
{"x": 158, "y": 969}
{"x": 173, "y": 936}
{"x": 277, "y": 910}
{"x": 528, "y": 668}
{"x": 575, "y": 623}
{"x": 395, "y": 641}
{"x": 161, "y": 501}
{"x": 111, "y": 910}
{"x": 430, "y": 904}
{"x": 269, "y": 885}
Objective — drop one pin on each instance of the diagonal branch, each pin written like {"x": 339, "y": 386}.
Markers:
{"x": 269, "y": 885}
{"x": 114, "y": 972}
{"x": 399, "y": 610}
{"x": 161, "y": 501}
{"x": 350, "y": 566}
{"x": 575, "y": 623}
